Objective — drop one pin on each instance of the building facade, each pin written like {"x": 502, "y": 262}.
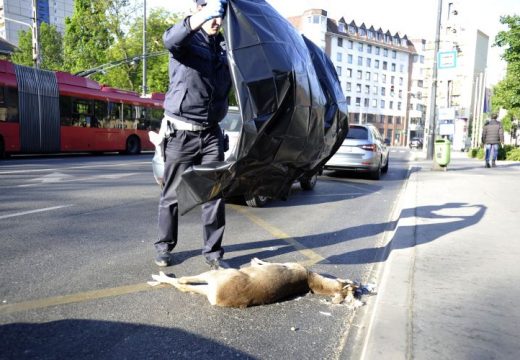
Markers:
{"x": 52, "y": 12}
{"x": 374, "y": 67}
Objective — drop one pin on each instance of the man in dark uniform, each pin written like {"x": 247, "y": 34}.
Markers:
{"x": 196, "y": 101}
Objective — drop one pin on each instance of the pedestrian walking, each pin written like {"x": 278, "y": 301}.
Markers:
{"x": 492, "y": 138}
{"x": 195, "y": 103}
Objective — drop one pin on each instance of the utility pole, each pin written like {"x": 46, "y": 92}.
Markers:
{"x": 144, "y": 49}
{"x": 433, "y": 97}
{"x": 35, "y": 36}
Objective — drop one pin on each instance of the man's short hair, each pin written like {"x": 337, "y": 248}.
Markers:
{"x": 494, "y": 116}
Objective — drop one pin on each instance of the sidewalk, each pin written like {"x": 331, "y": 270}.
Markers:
{"x": 450, "y": 286}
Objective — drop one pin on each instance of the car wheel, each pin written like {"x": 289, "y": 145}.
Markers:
{"x": 385, "y": 168}
{"x": 376, "y": 174}
{"x": 309, "y": 182}
{"x": 255, "y": 200}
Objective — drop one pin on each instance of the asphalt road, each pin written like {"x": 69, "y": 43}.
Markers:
{"x": 77, "y": 234}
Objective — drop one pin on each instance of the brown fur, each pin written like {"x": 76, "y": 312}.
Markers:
{"x": 260, "y": 283}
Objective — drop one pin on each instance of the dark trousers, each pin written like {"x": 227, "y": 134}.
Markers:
{"x": 184, "y": 149}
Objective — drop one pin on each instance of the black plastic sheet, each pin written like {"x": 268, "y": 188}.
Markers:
{"x": 293, "y": 110}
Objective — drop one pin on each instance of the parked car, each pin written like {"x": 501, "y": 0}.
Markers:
{"x": 416, "y": 143}
{"x": 232, "y": 124}
{"x": 362, "y": 150}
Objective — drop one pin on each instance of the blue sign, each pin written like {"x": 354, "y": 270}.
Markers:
{"x": 447, "y": 59}
{"x": 42, "y": 11}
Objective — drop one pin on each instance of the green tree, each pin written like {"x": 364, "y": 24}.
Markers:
{"x": 506, "y": 94}
{"x": 87, "y": 35}
{"x": 51, "y": 48}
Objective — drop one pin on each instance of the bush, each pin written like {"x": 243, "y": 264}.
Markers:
{"x": 513, "y": 154}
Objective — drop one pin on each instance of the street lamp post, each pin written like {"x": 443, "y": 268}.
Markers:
{"x": 144, "y": 49}
{"x": 35, "y": 35}
{"x": 433, "y": 97}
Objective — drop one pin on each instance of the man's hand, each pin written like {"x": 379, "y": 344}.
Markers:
{"x": 214, "y": 9}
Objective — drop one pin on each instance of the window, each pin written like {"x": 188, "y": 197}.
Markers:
{"x": 374, "y": 103}
{"x": 360, "y": 60}
{"x": 100, "y": 119}
{"x": 385, "y": 52}
{"x": 349, "y": 59}
{"x": 339, "y": 57}
{"x": 114, "y": 115}
{"x": 392, "y": 67}
{"x": 391, "y": 105}
{"x": 400, "y": 94}
{"x": 383, "y": 91}
{"x": 358, "y": 88}
{"x": 400, "y": 81}
{"x": 366, "y": 102}
{"x": 382, "y": 103}
{"x": 369, "y": 49}
{"x": 316, "y": 19}
{"x": 394, "y": 54}
{"x": 369, "y": 62}
{"x": 383, "y": 78}
{"x": 349, "y": 73}
{"x": 392, "y": 80}
{"x": 360, "y": 46}
{"x": 8, "y": 104}
{"x": 358, "y": 101}
{"x": 401, "y": 68}
{"x": 359, "y": 74}
{"x": 367, "y": 89}
{"x": 349, "y": 86}
{"x": 399, "y": 108}
{"x": 419, "y": 83}
{"x": 367, "y": 75}
{"x": 376, "y": 64}
{"x": 385, "y": 65}
{"x": 351, "y": 29}
{"x": 415, "y": 58}
{"x": 370, "y": 34}
{"x": 374, "y": 90}
{"x": 338, "y": 70}
{"x": 81, "y": 112}
{"x": 341, "y": 28}
{"x": 350, "y": 44}
{"x": 376, "y": 77}
{"x": 378, "y": 50}
{"x": 362, "y": 32}
{"x": 348, "y": 100}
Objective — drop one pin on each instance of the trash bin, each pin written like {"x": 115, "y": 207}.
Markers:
{"x": 442, "y": 152}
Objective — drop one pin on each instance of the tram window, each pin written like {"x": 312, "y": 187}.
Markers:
{"x": 114, "y": 115}
{"x": 155, "y": 118}
{"x": 100, "y": 119}
{"x": 129, "y": 117}
{"x": 66, "y": 110}
{"x": 8, "y": 104}
{"x": 81, "y": 112}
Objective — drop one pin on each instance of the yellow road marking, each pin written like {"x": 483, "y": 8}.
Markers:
{"x": 74, "y": 298}
{"x": 312, "y": 256}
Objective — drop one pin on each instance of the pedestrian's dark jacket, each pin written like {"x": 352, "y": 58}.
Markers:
{"x": 492, "y": 133}
{"x": 200, "y": 80}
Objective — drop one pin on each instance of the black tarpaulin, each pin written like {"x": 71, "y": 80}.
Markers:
{"x": 294, "y": 113}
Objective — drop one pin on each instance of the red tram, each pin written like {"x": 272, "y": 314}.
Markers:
{"x": 51, "y": 112}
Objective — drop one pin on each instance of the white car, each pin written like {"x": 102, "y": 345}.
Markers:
{"x": 363, "y": 150}
{"x": 232, "y": 124}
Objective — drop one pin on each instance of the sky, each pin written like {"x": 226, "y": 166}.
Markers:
{"x": 415, "y": 18}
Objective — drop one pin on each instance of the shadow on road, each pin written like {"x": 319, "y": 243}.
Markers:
{"x": 90, "y": 339}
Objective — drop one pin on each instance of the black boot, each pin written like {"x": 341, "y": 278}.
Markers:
{"x": 487, "y": 164}
{"x": 493, "y": 164}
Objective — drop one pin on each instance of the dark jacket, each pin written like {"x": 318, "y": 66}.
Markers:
{"x": 492, "y": 133}
{"x": 200, "y": 80}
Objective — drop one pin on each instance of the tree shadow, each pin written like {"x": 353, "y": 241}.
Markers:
{"x": 91, "y": 339}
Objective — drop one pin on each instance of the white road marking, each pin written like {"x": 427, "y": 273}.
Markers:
{"x": 73, "y": 167}
{"x": 34, "y": 211}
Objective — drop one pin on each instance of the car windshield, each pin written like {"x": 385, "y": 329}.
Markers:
{"x": 359, "y": 133}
